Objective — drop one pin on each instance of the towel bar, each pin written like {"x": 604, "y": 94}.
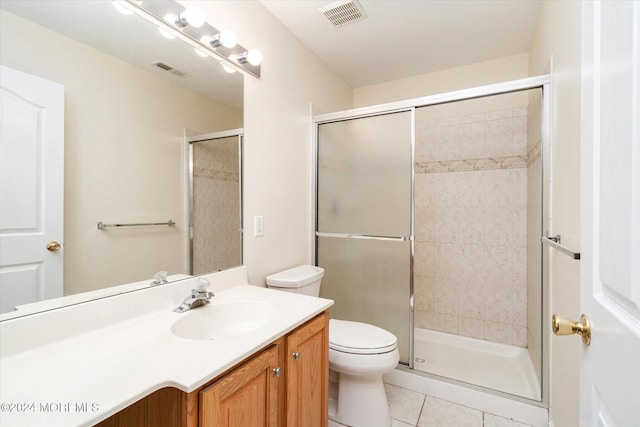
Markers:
{"x": 102, "y": 225}
{"x": 554, "y": 242}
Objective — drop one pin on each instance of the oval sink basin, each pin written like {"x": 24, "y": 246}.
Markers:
{"x": 225, "y": 320}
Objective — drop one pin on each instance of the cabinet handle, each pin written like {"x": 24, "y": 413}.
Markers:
{"x": 277, "y": 371}
{"x": 296, "y": 355}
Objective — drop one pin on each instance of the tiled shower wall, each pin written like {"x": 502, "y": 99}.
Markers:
{"x": 471, "y": 225}
{"x": 216, "y": 206}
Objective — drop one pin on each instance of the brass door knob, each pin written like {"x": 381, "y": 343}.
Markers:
{"x": 564, "y": 326}
{"x": 53, "y": 246}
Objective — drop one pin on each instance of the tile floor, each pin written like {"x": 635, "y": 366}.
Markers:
{"x": 413, "y": 409}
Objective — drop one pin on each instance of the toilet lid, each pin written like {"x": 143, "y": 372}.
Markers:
{"x": 360, "y": 338}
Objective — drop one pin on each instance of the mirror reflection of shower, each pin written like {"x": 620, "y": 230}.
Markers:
{"x": 215, "y": 202}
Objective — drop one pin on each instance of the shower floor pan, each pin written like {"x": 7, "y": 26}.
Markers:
{"x": 496, "y": 366}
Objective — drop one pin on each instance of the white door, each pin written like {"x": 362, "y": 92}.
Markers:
{"x": 31, "y": 188}
{"x": 610, "y": 264}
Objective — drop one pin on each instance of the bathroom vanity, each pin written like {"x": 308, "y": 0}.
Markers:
{"x": 253, "y": 356}
{"x": 285, "y": 384}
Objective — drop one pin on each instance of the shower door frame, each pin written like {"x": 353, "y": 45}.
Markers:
{"x": 542, "y": 82}
{"x": 190, "y": 140}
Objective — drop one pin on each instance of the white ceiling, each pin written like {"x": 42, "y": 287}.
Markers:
{"x": 403, "y": 38}
{"x": 399, "y": 38}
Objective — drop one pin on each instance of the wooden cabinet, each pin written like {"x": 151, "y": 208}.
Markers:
{"x": 284, "y": 385}
{"x": 307, "y": 374}
{"x": 252, "y": 395}
{"x": 247, "y": 396}
{"x": 166, "y": 407}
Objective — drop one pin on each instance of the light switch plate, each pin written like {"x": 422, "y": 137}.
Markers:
{"x": 258, "y": 226}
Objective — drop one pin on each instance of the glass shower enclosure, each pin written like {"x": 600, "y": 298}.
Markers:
{"x": 429, "y": 214}
{"x": 364, "y": 220}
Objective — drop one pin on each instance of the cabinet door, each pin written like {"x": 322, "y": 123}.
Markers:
{"x": 166, "y": 407}
{"x": 247, "y": 396}
{"x": 307, "y": 370}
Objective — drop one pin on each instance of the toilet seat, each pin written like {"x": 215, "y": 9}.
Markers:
{"x": 360, "y": 338}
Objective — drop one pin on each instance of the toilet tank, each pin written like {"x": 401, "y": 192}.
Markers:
{"x": 304, "y": 279}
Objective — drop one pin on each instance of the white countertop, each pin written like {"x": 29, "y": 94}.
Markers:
{"x": 87, "y": 376}
{"x": 54, "y": 303}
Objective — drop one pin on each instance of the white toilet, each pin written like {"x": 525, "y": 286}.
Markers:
{"x": 358, "y": 352}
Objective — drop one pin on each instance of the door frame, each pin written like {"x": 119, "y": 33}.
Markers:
{"x": 542, "y": 82}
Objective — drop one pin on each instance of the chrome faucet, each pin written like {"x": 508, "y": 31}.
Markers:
{"x": 198, "y": 297}
{"x": 159, "y": 278}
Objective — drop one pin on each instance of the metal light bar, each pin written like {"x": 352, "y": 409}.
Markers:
{"x": 154, "y": 10}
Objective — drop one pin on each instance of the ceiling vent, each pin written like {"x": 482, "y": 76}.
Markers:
{"x": 168, "y": 68}
{"x": 343, "y": 12}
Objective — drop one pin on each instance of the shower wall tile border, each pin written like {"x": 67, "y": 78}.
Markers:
{"x": 215, "y": 174}
{"x": 492, "y": 163}
{"x": 535, "y": 153}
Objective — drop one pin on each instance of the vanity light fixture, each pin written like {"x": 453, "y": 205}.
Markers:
{"x": 190, "y": 26}
{"x": 226, "y": 38}
{"x": 251, "y": 56}
{"x": 190, "y": 16}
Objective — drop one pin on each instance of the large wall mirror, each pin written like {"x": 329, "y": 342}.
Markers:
{"x": 132, "y": 98}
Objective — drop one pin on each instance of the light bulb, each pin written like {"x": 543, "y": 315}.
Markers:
{"x": 193, "y": 16}
{"x": 120, "y": 8}
{"x": 228, "y": 69}
{"x": 200, "y": 53}
{"x": 166, "y": 34}
{"x": 228, "y": 38}
{"x": 254, "y": 57}
{"x": 171, "y": 19}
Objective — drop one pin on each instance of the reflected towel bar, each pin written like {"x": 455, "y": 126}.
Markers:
{"x": 102, "y": 225}
{"x": 554, "y": 242}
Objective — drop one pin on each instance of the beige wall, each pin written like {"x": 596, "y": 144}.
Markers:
{"x": 468, "y": 76}
{"x": 123, "y": 155}
{"x": 277, "y": 134}
{"x": 558, "y": 35}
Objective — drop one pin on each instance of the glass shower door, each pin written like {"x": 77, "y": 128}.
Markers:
{"x": 216, "y": 204}
{"x": 364, "y": 190}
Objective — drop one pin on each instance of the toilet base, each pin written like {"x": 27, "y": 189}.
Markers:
{"x": 361, "y": 402}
